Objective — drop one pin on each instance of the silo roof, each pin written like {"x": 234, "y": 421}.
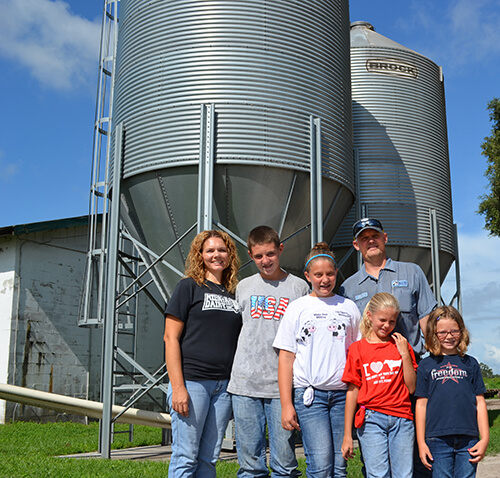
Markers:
{"x": 363, "y": 35}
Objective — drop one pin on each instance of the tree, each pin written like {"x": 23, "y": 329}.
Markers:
{"x": 486, "y": 371}
{"x": 490, "y": 203}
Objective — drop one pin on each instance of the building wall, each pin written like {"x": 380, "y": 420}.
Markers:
{"x": 48, "y": 350}
{"x": 7, "y": 305}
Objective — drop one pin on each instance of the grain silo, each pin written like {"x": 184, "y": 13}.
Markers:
{"x": 255, "y": 87}
{"x": 401, "y": 150}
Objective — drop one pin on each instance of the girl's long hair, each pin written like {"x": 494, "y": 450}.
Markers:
{"x": 195, "y": 267}
{"x": 432, "y": 343}
{"x": 380, "y": 301}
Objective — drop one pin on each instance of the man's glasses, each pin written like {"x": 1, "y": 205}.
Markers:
{"x": 442, "y": 335}
{"x": 367, "y": 222}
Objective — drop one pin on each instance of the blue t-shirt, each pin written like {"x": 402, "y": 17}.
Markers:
{"x": 450, "y": 383}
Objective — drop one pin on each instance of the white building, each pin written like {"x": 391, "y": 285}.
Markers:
{"x": 41, "y": 345}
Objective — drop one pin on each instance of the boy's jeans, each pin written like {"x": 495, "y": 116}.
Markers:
{"x": 250, "y": 417}
{"x": 197, "y": 439}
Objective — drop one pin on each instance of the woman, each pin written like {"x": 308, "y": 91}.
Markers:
{"x": 201, "y": 331}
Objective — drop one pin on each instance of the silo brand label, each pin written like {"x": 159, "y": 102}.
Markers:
{"x": 392, "y": 67}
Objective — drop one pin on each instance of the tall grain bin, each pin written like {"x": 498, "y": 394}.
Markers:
{"x": 401, "y": 150}
{"x": 267, "y": 70}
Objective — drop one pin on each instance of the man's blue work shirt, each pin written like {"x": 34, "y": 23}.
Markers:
{"x": 407, "y": 282}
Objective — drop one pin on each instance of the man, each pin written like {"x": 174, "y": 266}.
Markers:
{"x": 405, "y": 280}
{"x": 263, "y": 299}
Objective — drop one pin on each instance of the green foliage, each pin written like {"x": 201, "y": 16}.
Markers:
{"x": 486, "y": 370}
{"x": 490, "y": 203}
{"x": 492, "y": 383}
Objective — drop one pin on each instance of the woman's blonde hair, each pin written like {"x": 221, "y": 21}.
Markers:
{"x": 321, "y": 250}
{"x": 432, "y": 343}
{"x": 195, "y": 267}
{"x": 380, "y": 301}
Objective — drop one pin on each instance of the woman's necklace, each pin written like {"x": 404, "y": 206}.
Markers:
{"x": 219, "y": 286}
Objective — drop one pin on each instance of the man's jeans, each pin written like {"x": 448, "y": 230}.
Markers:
{"x": 451, "y": 458}
{"x": 322, "y": 425}
{"x": 197, "y": 438}
{"x": 387, "y": 444}
{"x": 250, "y": 417}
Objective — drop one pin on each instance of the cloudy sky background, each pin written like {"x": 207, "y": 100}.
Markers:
{"x": 49, "y": 58}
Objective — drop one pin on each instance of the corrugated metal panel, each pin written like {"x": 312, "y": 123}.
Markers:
{"x": 400, "y": 136}
{"x": 267, "y": 66}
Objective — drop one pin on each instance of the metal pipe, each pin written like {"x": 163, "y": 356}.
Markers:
{"x": 79, "y": 406}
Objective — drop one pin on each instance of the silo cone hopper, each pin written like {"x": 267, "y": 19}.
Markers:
{"x": 226, "y": 107}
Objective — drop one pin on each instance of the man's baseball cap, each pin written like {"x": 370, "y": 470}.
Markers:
{"x": 366, "y": 223}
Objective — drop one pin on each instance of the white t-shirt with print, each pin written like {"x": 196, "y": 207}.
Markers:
{"x": 319, "y": 331}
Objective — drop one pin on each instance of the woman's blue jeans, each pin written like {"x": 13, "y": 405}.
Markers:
{"x": 197, "y": 438}
{"x": 451, "y": 458}
{"x": 387, "y": 444}
{"x": 322, "y": 425}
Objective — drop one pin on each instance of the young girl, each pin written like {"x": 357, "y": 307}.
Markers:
{"x": 450, "y": 415}
{"x": 380, "y": 371}
{"x": 314, "y": 335}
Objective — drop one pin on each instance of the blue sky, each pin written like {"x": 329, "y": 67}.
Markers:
{"x": 48, "y": 63}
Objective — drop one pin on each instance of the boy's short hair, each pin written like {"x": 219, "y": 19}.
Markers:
{"x": 262, "y": 235}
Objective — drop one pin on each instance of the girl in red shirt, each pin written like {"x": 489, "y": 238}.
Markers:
{"x": 380, "y": 371}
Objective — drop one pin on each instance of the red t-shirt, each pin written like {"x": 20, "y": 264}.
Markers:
{"x": 376, "y": 369}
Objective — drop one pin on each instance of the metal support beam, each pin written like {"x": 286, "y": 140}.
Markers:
{"x": 360, "y": 208}
{"x": 436, "y": 270}
{"x": 316, "y": 182}
{"x": 458, "y": 293}
{"x": 110, "y": 318}
{"x": 206, "y": 167}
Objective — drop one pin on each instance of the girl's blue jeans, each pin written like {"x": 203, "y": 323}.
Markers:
{"x": 387, "y": 444}
{"x": 197, "y": 438}
{"x": 451, "y": 458}
{"x": 322, "y": 425}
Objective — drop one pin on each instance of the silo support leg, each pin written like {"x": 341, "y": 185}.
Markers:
{"x": 316, "y": 182}
{"x": 206, "y": 167}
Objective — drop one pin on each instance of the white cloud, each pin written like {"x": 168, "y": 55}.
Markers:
{"x": 7, "y": 170}
{"x": 464, "y": 33}
{"x": 479, "y": 271}
{"x": 58, "y": 47}
{"x": 493, "y": 356}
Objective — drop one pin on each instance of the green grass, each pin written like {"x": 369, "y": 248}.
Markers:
{"x": 31, "y": 450}
{"x": 494, "y": 419}
{"x": 492, "y": 383}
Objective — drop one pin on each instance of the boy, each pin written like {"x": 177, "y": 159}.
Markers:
{"x": 263, "y": 299}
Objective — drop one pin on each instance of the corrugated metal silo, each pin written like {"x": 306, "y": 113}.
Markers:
{"x": 401, "y": 149}
{"x": 267, "y": 66}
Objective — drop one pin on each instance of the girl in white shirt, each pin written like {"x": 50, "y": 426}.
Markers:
{"x": 313, "y": 339}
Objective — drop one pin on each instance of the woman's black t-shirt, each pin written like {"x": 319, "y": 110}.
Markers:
{"x": 212, "y": 323}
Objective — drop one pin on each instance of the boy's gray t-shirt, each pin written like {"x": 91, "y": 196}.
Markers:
{"x": 262, "y": 303}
